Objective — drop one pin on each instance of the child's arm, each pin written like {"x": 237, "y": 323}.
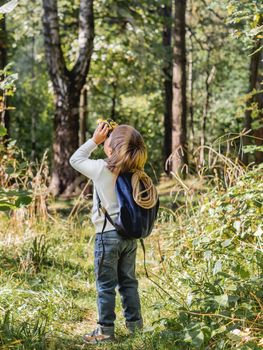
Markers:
{"x": 81, "y": 162}
{"x": 80, "y": 159}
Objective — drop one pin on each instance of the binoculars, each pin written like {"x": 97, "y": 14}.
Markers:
{"x": 111, "y": 124}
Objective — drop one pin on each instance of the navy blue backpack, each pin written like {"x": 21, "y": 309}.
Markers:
{"x": 133, "y": 221}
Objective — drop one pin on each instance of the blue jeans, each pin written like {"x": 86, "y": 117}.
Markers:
{"x": 115, "y": 267}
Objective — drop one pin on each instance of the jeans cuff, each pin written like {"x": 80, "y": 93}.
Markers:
{"x": 107, "y": 330}
{"x": 134, "y": 325}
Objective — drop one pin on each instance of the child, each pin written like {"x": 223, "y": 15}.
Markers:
{"x": 114, "y": 255}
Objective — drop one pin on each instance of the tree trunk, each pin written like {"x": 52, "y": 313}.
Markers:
{"x": 66, "y": 141}
{"x": 209, "y": 77}
{"x": 179, "y": 131}
{"x": 168, "y": 83}
{"x": 33, "y": 112}
{"x": 83, "y": 113}
{"x": 114, "y": 101}
{"x": 67, "y": 87}
{"x": 259, "y": 99}
{"x": 255, "y": 83}
{"x": 5, "y": 118}
{"x": 191, "y": 89}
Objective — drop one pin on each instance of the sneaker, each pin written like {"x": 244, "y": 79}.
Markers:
{"x": 99, "y": 335}
{"x": 134, "y": 326}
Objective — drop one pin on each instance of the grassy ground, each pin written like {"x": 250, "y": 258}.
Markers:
{"x": 206, "y": 256}
{"x": 47, "y": 295}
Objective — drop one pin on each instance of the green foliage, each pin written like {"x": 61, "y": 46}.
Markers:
{"x": 7, "y": 89}
{"x": 15, "y": 176}
{"x": 211, "y": 268}
{"x": 217, "y": 263}
{"x": 12, "y": 199}
{"x": 3, "y": 131}
{"x": 126, "y": 78}
{"x": 37, "y": 254}
{"x": 125, "y": 81}
{"x": 12, "y": 194}
{"x": 8, "y": 80}
{"x": 33, "y": 99}
{"x": 22, "y": 335}
{"x": 219, "y": 58}
{"x": 246, "y": 18}
{"x": 210, "y": 247}
{"x": 8, "y": 6}
{"x": 252, "y": 149}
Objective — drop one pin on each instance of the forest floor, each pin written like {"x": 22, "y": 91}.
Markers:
{"x": 206, "y": 257}
{"x": 48, "y": 289}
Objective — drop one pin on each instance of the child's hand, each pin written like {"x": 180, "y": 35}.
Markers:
{"x": 100, "y": 134}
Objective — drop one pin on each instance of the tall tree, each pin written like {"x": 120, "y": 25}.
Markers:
{"x": 168, "y": 80}
{"x": 83, "y": 114}
{"x": 67, "y": 86}
{"x": 259, "y": 100}
{"x": 179, "y": 129}
{"x": 34, "y": 112}
{"x": 247, "y": 18}
{"x": 210, "y": 72}
{"x": 3, "y": 63}
{"x": 255, "y": 86}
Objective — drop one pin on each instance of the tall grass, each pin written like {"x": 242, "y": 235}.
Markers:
{"x": 211, "y": 258}
{"x": 205, "y": 254}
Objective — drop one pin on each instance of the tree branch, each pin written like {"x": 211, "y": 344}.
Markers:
{"x": 213, "y": 11}
{"x": 54, "y": 55}
{"x": 86, "y": 36}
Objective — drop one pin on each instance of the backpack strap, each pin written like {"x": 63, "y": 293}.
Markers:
{"x": 146, "y": 271}
{"x": 144, "y": 257}
{"x": 103, "y": 228}
{"x": 103, "y": 209}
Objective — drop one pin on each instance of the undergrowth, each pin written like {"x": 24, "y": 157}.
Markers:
{"x": 206, "y": 258}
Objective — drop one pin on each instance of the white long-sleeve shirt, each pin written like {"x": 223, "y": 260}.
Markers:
{"x": 103, "y": 180}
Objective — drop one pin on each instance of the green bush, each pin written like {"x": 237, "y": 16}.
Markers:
{"x": 215, "y": 271}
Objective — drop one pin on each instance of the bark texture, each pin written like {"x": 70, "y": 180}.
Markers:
{"x": 67, "y": 86}
{"x": 255, "y": 84}
{"x": 168, "y": 82}
{"x": 5, "y": 116}
{"x": 179, "y": 128}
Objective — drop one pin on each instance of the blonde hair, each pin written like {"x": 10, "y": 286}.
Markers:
{"x": 129, "y": 154}
{"x": 128, "y": 150}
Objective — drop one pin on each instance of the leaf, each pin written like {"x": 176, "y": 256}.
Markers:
{"x": 219, "y": 330}
{"x": 4, "y": 206}
{"x": 189, "y": 299}
{"x": 12, "y": 193}
{"x": 242, "y": 271}
{"x": 252, "y": 148}
{"x": 22, "y": 201}
{"x": 256, "y": 31}
{"x": 3, "y": 130}
{"x": 218, "y": 267}
{"x": 222, "y": 299}
{"x": 237, "y": 225}
{"x": 8, "y": 7}
{"x": 226, "y": 243}
{"x": 258, "y": 232}
{"x": 235, "y": 335}
{"x": 195, "y": 336}
{"x": 208, "y": 254}
{"x": 198, "y": 339}
{"x": 9, "y": 170}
